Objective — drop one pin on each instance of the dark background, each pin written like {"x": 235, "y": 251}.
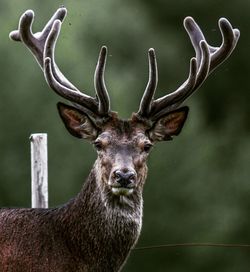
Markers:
{"x": 198, "y": 188}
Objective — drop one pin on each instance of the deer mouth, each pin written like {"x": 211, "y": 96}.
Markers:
{"x": 125, "y": 191}
{"x": 122, "y": 189}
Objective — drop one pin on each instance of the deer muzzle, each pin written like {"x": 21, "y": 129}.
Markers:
{"x": 123, "y": 181}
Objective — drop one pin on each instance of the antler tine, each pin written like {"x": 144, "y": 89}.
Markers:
{"x": 35, "y": 42}
{"x": 101, "y": 91}
{"x": 146, "y": 101}
{"x": 50, "y": 72}
{"x": 230, "y": 38}
{"x": 60, "y": 14}
{"x": 54, "y": 77}
{"x": 196, "y": 36}
{"x": 218, "y": 55}
{"x": 207, "y": 59}
{"x": 71, "y": 95}
{"x": 42, "y": 45}
{"x": 171, "y": 101}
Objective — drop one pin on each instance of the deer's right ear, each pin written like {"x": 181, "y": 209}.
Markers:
{"x": 77, "y": 122}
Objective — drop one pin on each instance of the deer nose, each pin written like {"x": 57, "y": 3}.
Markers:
{"x": 125, "y": 178}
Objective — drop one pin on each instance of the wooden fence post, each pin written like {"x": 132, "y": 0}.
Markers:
{"x": 39, "y": 170}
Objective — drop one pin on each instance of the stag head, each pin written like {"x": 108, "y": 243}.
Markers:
{"x": 123, "y": 145}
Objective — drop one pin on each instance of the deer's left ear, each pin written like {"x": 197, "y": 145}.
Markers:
{"x": 169, "y": 125}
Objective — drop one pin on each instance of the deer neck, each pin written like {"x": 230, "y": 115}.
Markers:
{"x": 95, "y": 197}
{"x": 94, "y": 218}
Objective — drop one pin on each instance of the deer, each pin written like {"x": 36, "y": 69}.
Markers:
{"x": 98, "y": 228}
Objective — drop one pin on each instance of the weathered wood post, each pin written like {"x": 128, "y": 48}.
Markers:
{"x": 39, "y": 170}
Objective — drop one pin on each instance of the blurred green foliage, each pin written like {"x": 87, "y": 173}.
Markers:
{"x": 198, "y": 188}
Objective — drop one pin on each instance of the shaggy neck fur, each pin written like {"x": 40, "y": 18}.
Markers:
{"x": 101, "y": 227}
{"x": 95, "y": 231}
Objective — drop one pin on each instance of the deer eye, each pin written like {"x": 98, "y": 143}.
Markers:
{"x": 147, "y": 147}
{"x": 98, "y": 145}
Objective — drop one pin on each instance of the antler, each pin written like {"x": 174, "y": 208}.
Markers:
{"x": 207, "y": 59}
{"x": 42, "y": 46}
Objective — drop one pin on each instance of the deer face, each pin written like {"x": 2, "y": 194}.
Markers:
{"x": 122, "y": 153}
{"x": 122, "y": 146}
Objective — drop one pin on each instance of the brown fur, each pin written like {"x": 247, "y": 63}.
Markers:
{"x": 97, "y": 229}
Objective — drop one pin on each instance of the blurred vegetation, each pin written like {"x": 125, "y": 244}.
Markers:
{"x": 198, "y": 189}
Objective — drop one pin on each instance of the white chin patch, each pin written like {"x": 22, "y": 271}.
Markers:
{"x": 122, "y": 191}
